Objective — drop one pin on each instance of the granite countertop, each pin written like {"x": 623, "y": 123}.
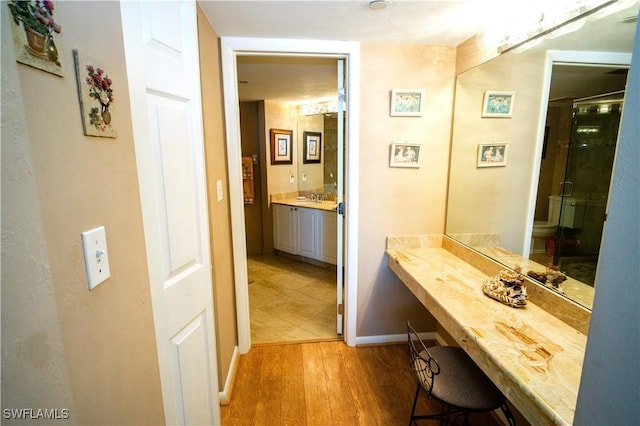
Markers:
{"x": 530, "y": 354}
{"x": 308, "y": 203}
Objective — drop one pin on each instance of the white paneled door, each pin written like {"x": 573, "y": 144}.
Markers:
{"x": 161, "y": 48}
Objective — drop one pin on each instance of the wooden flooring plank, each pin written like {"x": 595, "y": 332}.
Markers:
{"x": 315, "y": 386}
{"x": 242, "y": 408}
{"x": 365, "y": 402}
{"x": 269, "y": 390}
{"x": 293, "y": 409}
{"x": 340, "y": 396}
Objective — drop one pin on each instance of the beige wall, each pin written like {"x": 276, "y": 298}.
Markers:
{"x": 278, "y": 115}
{"x": 219, "y": 211}
{"x": 396, "y": 201}
{"x": 64, "y": 346}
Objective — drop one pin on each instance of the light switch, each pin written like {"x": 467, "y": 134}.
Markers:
{"x": 219, "y": 188}
{"x": 96, "y": 257}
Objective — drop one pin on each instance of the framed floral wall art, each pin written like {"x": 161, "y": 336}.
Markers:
{"x": 36, "y": 34}
{"x": 95, "y": 90}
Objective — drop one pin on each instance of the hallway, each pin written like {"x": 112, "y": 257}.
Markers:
{"x": 290, "y": 301}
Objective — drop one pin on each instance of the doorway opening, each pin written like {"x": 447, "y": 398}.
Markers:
{"x": 293, "y": 282}
{"x": 231, "y": 49}
{"x": 290, "y": 207}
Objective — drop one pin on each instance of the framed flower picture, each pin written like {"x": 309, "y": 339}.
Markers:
{"x": 36, "y": 34}
{"x": 95, "y": 90}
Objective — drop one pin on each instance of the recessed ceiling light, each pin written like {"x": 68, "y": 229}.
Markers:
{"x": 378, "y": 4}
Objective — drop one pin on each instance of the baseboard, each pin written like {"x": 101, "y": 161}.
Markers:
{"x": 392, "y": 338}
{"x": 441, "y": 341}
{"x": 224, "y": 396}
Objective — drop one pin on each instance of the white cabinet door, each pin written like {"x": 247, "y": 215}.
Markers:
{"x": 327, "y": 236}
{"x": 284, "y": 228}
{"x": 308, "y": 232}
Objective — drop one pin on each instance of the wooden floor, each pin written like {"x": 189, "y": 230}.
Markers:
{"x": 327, "y": 383}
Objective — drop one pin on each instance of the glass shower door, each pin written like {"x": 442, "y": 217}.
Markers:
{"x": 585, "y": 189}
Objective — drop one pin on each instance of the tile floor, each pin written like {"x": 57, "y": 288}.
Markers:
{"x": 290, "y": 301}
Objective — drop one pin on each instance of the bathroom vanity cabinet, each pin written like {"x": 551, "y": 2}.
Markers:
{"x": 305, "y": 231}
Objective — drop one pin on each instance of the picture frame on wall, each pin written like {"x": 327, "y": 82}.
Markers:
{"x": 406, "y": 102}
{"x": 498, "y": 104}
{"x": 281, "y": 146}
{"x": 492, "y": 154}
{"x": 96, "y": 95}
{"x": 311, "y": 147}
{"x": 404, "y": 154}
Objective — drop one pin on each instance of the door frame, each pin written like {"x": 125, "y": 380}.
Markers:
{"x": 230, "y": 47}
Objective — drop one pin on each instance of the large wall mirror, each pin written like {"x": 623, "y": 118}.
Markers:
{"x": 529, "y": 184}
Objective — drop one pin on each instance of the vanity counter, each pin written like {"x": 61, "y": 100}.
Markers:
{"x": 308, "y": 203}
{"x": 531, "y": 355}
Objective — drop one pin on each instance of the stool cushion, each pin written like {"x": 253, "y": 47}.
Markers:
{"x": 461, "y": 382}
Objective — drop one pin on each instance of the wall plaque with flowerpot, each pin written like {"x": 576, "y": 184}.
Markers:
{"x": 95, "y": 90}
{"x": 36, "y": 34}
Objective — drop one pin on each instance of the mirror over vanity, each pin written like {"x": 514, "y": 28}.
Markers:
{"x": 529, "y": 184}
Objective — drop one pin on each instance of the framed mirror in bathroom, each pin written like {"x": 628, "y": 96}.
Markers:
{"x": 494, "y": 210}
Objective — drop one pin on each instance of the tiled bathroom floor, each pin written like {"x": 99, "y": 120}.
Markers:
{"x": 290, "y": 301}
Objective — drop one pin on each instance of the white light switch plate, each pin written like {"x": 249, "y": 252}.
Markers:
{"x": 96, "y": 257}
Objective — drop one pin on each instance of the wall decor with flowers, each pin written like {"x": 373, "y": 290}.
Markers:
{"x": 36, "y": 35}
{"x": 95, "y": 90}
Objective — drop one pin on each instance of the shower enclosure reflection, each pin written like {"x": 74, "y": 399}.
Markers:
{"x": 574, "y": 190}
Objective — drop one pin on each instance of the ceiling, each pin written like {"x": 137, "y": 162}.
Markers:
{"x": 438, "y": 22}
{"x": 303, "y": 80}
{"x": 428, "y": 22}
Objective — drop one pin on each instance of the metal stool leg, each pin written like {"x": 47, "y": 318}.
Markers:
{"x": 508, "y": 414}
{"x": 413, "y": 409}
